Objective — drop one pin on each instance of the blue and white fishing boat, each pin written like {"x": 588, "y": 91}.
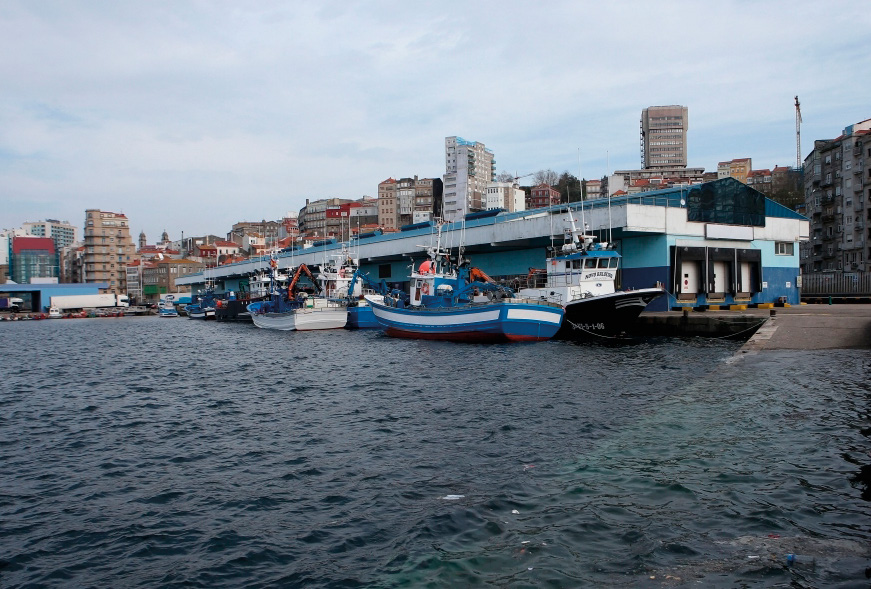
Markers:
{"x": 450, "y": 301}
{"x": 580, "y": 276}
{"x": 203, "y": 305}
{"x": 167, "y": 307}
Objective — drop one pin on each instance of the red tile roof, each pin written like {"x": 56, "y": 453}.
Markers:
{"x": 21, "y": 243}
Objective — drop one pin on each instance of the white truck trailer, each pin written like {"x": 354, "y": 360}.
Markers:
{"x": 90, "y": 301}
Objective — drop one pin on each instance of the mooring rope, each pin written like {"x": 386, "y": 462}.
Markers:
{"x": 576, "y": 326}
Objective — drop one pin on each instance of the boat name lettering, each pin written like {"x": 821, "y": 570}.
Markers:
{"x": 595, "y": 274}
{"x": 590, "y": 326}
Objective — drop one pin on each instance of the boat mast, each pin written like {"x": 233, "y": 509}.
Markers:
{"x": 583, "y": 221}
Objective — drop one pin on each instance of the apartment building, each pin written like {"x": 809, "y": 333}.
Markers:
{"x": 738, "y": 168}
{"x": 108, "y": 249}
{"x": 664, "y": 136}
{"x": 837, "y": 193}
{"x": 542, "y": 196}
{"x": 427, "y": 199}
{"x": 634, "y": 181}
{"x": 313, "y": 220}
{"x": 469, "y": 168}
{"x": 593, "y": 189}
{"x": 158, "y": 277}
{"x": 61, "y": 232}
{"x": 388, "y": 205}
{"x": 364, "y": 216}
{"x": 505, "y": 195}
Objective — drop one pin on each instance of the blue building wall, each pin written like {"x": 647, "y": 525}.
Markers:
{"x": 37, "y": 297}
{"x": 779, "y": 274}
{"x": 648, "y": 251}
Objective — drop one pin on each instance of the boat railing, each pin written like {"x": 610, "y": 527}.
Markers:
{"x": 550, "y": 301}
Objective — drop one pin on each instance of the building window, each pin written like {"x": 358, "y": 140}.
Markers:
{"x": 784, "y": 248}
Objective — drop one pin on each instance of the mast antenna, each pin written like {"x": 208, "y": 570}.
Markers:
{"x": 797, "y": 133}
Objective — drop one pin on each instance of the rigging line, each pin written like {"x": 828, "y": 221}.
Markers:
{"x": 757, "y": 326}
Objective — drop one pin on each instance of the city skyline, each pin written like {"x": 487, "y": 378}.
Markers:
{"x": 190, "y": 118}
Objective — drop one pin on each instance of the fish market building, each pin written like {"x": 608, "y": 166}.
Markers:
{"x": 710, "y": 245}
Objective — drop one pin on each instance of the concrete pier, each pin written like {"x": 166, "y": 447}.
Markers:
{"x": 814, "y": 327}
{"x": 802, "y": 327}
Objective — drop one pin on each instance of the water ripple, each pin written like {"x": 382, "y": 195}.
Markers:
{"x": 228, "y": 456}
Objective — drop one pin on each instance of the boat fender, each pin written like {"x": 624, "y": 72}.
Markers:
{"x": 425, "y": 288}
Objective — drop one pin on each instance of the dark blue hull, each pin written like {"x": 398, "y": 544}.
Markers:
{"x": 362, "y": 317}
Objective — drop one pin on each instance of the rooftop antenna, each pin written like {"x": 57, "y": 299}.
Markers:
{"x": 797, "y": 133}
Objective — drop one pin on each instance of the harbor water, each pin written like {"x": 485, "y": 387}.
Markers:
{"x": 152, "y": 452}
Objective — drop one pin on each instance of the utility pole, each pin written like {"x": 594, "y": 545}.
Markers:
{"x": 797, "y": 133}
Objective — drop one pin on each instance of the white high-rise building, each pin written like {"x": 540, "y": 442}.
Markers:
{"x": 469, "y": 168}
{"x": 61, "y": 232}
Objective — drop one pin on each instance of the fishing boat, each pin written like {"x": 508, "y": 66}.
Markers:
{"x": 54, "y": 313}
{"x": 580, "y": 276}
{"x": 167, "y": 307}
{"x": 203, "y": 305}
{"x": 448, "y": 300}
{"x": 288, "y": 309}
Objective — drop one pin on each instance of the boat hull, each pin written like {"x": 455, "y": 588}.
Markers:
{"x": 281, "y": 321}
{"x": 362, "y": 317}
{"x": 606, "y": 315}
{"x": 305, "y": 319}
{"x": 501, "y": 321}
{"x": 234, "y": 310}
{"x": 325, "y": 318}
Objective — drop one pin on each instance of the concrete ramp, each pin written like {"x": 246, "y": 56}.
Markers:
{"x": 814, "y": 327}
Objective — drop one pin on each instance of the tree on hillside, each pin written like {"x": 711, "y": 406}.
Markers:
{"x": 548, "y": 177}
{"x": 788, "y": 188}
{"x": 569, "y": 188}
{"x": 504, "y": 176}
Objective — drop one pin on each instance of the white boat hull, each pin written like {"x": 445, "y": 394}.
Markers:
{"x": 280, "y": 321}
{"x": 303, "y": 319}
{"x": 325, "y": 318}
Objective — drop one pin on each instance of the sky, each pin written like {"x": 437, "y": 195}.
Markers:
{"x": 189, "y": 116}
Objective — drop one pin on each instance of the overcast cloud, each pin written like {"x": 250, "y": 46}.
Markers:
{"x": 190, "y": 116}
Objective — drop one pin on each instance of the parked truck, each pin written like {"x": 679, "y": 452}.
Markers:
{"x": 11, "y": 304}
{"x": 90, "y": 301}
